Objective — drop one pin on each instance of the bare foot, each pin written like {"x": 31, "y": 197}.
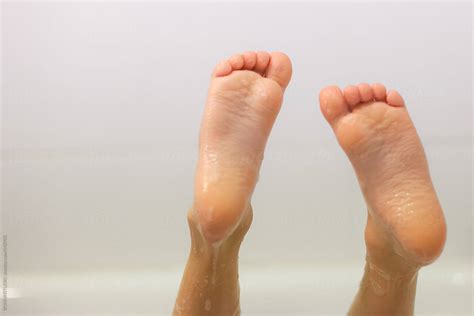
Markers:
{"x": 244, "y": 99}
{"x": 406, "y": 227}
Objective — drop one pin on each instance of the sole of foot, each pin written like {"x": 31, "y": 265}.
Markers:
{"x": 406, "y": 226}
{"x": 245, "y": 96}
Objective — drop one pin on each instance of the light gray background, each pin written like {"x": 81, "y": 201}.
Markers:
{"x": 101, "y": 109}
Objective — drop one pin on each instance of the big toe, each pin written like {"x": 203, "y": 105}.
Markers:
{"x": 333, "y": 104}
{"x": 279, "y": 69}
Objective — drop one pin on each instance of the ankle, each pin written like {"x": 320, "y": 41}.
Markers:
{"x": 227, "y": 247}
{"x": 390, "y": 270}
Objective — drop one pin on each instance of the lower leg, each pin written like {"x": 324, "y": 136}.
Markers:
{"x": 381, "y": 294}
{"x": 210, "y": 284}
{"x": 389, "y": 283}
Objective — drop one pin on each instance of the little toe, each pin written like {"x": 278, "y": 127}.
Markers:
{"x": 395, "y": 99}
{"x": 222, "y": 69}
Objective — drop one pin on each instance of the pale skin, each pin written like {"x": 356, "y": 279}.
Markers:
{"x": 405, "y": 227}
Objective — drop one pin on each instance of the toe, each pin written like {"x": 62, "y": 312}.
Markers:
{"x": 223, "y": 68}
{"x": 236, "y": 61}
{"x": 250, "y": 60}
{"x": 332, "y": 103}
{"x": 395, "y": 99}
{"x": 279, "y": 69}
{"x": 379, "y": 91}
{"x": 263, "y": 58}
{"x": 365, "y": 92}
{"x": 352, "y": 96}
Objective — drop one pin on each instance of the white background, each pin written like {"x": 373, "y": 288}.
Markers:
{"x": 100, "y": 115}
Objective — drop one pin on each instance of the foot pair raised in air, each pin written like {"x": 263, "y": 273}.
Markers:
{"x": 405, "y": 227}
